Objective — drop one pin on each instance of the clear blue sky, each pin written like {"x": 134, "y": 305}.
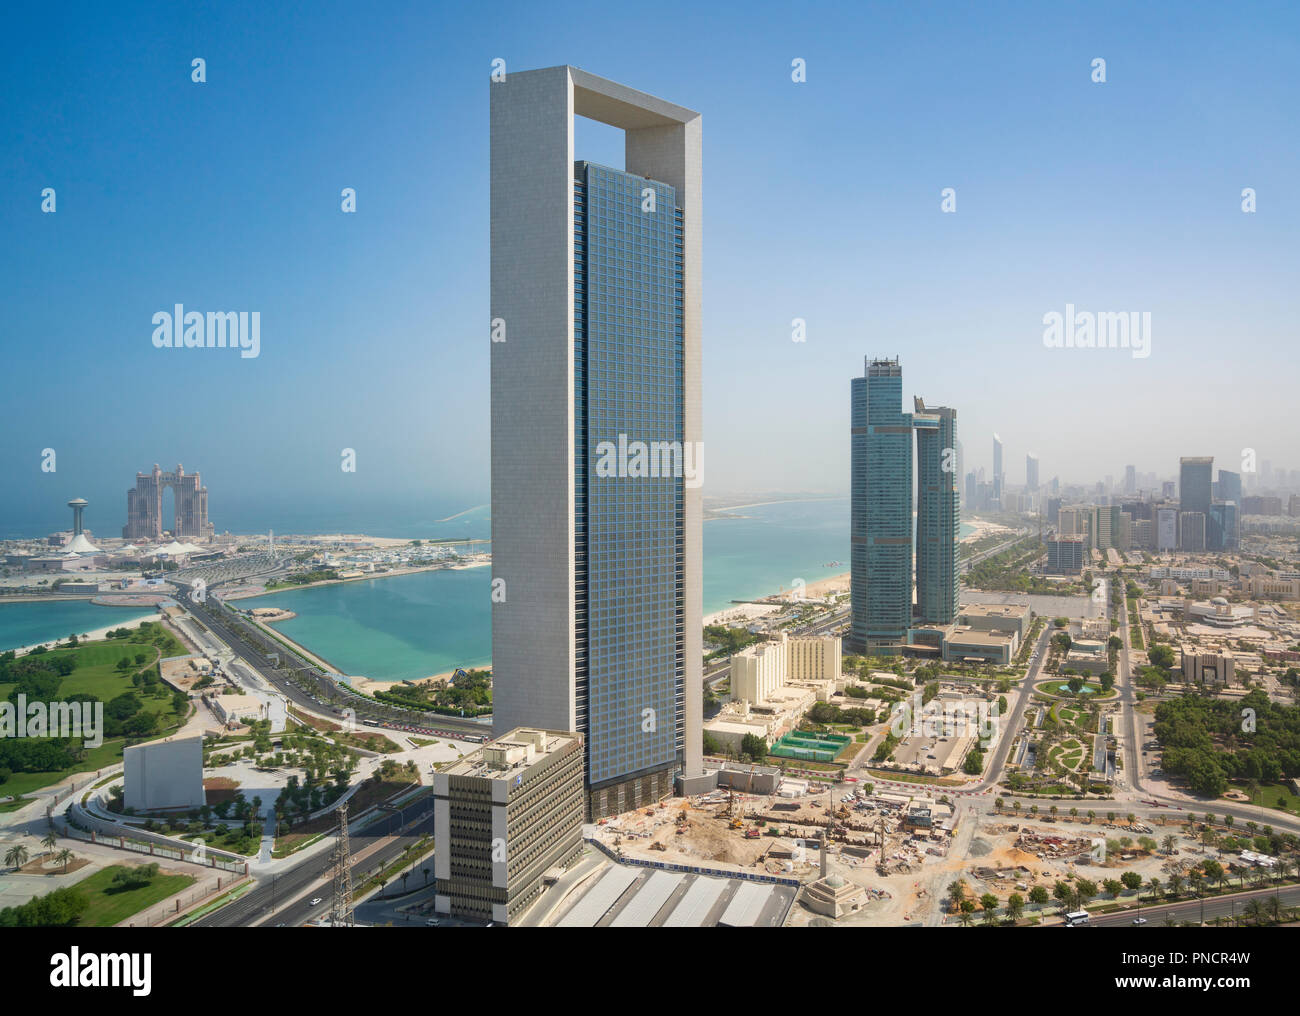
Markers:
{"x": 822, "y": 201}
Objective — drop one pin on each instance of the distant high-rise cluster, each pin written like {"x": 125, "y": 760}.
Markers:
{"x": 144, "y": 505}
{"x": 997, "y": 470}
{"x": 883, "y": 536}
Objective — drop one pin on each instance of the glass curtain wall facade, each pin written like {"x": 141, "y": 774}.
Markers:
{"x": 1194, "y": 484}
{"x": 628, "y": 528}
{"x": 938, "y": 514}
{"x": 881, "y": 510}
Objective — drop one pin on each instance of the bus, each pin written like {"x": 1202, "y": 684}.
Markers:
{"x": 1076, "y": 917}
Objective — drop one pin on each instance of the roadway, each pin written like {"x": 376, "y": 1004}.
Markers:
{"x": 265, "y": 901}
{"x": 240, "y": 640}
{"x": 1198, "y": 911}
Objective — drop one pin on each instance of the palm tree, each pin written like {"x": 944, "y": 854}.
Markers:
{"x": 16, "y": 856}
{"x": 957, "y": 892}
{"x": 1175, "y": 884}
{"x": 1169, "y": 842}
{"x": 1255, "y": 911}
{"x": 1091, "y": 815}
{"x": 50, "y": 840}
{"x": 65, "y": 857}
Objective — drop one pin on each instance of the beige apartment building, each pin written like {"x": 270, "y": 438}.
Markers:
{"x": 759, "y": 671}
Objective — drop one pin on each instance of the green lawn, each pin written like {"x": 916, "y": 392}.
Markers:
{"x": 106, "y": 754}
{"x": 97, "y": 675}
{"x": 107, "y": 908}
{"x": 1267, "y": 797}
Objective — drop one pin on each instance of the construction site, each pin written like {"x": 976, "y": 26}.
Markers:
{"x": 891, "y": 854}
{"x": 871, "y": 840}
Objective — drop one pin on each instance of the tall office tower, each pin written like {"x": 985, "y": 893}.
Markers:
{"x": 1167, "y": 489}
{"x": 1230, "y": 487}
{"x": 880, "y": 528}
{"x": 1031, "y": 471}
{"x": 1105, "y": 526}
{"x": 969, "y": 501}
{"x": 997, "y": 470}
{"x": 1123, "y": 535}
{"x": 1130, "y": 479}
{"x": 1056, "y": 485}
{"x": 1194, "y": 483}
{"x": 1166, "y": 529}
{"x": 596, "y": 545}
{"x": 938, "y": 514}
{"x": 1052, "y": 512}
{"x": 1221, "y": 526}
{"x": 1192, "y": 530}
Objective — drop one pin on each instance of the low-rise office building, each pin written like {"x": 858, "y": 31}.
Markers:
{"x": 506, "y": 815}
{"x": 996, "y": 617}
{"x": 1209, "y": 668}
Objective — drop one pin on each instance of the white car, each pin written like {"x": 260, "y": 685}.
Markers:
{"x": 315, "y": 901}
{"x": 1139, "y": 920}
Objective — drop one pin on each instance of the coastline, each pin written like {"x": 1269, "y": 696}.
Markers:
{"x": 249, "y": 594}
{"x": 94, "y": 635}
{"x": 734, "y": 613}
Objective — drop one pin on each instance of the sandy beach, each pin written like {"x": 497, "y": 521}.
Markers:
{"x": 374, "y": 541}
{"x": 743, "y": 613}
{"x": 93, "y": 635}
{"x": 244, "y": 592}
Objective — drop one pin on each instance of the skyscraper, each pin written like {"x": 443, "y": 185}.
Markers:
{"x": 880, "y": 525}
{"x": 997, "y": 471}
{"x": 1230, "y": 487}
{"x": 1031, "y": 471}
{"x": 1130, "y": 479}
{"x": 596, "y": 617}
{"x": 938, "y": 513}
{"x": 1194, "y": 474}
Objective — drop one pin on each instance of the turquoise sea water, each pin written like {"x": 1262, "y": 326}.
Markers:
{"x": 25, "y": 624}
{"x": 411, "y": 626}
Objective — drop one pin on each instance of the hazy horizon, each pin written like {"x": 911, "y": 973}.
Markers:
{"x": 822, "y": 201}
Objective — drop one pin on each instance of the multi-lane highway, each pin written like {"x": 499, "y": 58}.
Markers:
{"x": 284, "y": 898}
{"x": 253, "y": 647}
